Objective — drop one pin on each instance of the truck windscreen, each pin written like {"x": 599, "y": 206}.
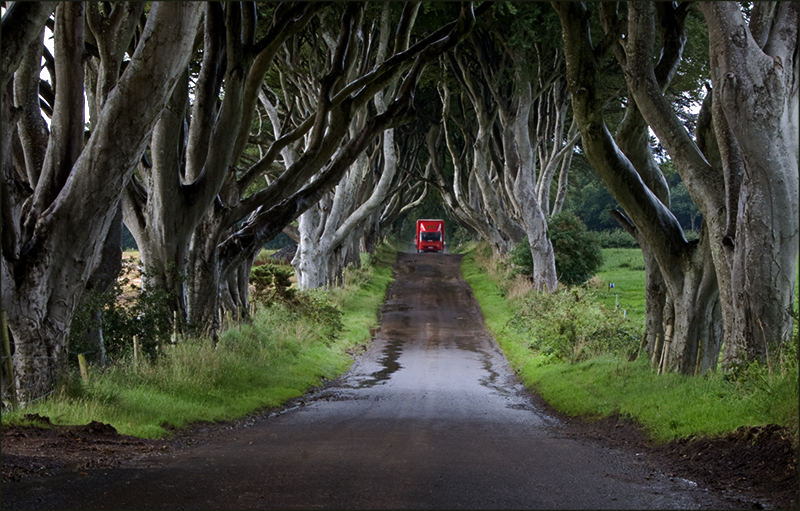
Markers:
{"x": 430, "y": 236}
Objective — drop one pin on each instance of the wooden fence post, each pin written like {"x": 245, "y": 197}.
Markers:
{"x": 174, "y": 338}
{"x": 655, "y": 361}
{"x": 667, "y": 340}
{"x": 84, "y": 368}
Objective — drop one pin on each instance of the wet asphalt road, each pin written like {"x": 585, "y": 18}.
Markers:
{"x": 430, "y": 417}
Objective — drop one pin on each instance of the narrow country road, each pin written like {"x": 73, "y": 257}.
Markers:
{"x": 430, "y": 417}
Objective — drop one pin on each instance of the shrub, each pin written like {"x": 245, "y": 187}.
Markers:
{"x": 572, "y": 326}
{"x": 358, "y": 275}
{"x": 521, "y": 259}
{"x": 148, "y": 316}
{"x": 616, "y": 238}
{"x": 620, "y": 238}
{"x": 272, "y": 285}
{"x": 316, "y": 305}
{"x": 577, "y": 252}
{"x": 271, "y": 282}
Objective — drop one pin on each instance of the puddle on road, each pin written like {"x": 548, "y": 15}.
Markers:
{"x": 391, "y": 353}
{"x": 396, "y": 307}
{"x": 466, "y": 343}
{"x": 490, "y": 381}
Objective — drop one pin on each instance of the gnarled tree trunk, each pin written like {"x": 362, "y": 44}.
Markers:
{"x": 691, "y": 304}
{"x": 755, "y": 84}
{"x": 46, "y": 270}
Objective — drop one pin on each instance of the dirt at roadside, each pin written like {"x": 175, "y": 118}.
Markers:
{"x": 759, "y": 461}
{"x": 43, "y": 449}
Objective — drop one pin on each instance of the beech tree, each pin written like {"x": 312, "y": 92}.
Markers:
{"x": 517, "y": 122}
{"x": 755, "y": 82}
{"x": 268, "y": 222}
{"x": 703, "y": 300}
{"x": 50, "y": 229}
{"x": 331, "y": 225}
{"x": 201, "y": 182}
{"x": 225, "y": 250}
{"x": 195, "y": 146}
{"x": 351, "y": 218}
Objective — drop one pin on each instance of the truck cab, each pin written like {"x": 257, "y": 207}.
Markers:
{"x": 430, "y": 236}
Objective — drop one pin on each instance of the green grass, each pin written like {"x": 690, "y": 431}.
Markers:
{"x": 668, "y": 406}
{"x": 252, "y": 367}
{"x": 623, "y": 267}
{"x": 361, "y": 303}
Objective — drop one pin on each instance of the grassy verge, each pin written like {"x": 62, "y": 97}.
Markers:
{"x": 668, "y": 406}
{"x": 254, "y": 366}
{"x": 361, "y": 297}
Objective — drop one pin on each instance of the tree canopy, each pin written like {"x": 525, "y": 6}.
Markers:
{"x": 211, "y": 128}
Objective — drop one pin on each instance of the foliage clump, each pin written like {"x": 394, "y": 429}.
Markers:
{"x": 272, "y": 285}
{"x": 577, "y": 251}
{"x": 571, "y": 326}
{"x": 146, "y": 314}
{"x": 358, "y": 275}
{"x": 271, "y": 282}
{"x": 616, "y": 238}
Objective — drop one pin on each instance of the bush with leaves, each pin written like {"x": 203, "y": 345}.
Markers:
{"x": 521, "y": 259}
{"x": 572, "y": 326}
{"x": 271, "y": 282}
{"x": 577, "y": 251}
{"x": 316, "y": 305}
{"x": 358, "y": 274}
{"x": 616, "y": 238}
{"x": 272, "y": 285}
{"x": 147, "y": 316}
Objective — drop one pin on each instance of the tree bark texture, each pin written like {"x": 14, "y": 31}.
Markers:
{"x": 54, "y": 252}
{"x": 755, "y": 80}
{"x": 715, "y": 177}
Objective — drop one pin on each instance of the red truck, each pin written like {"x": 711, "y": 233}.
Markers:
{"x": 430, "y": 236}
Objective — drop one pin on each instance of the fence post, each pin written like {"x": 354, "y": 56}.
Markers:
{"x": 135, "y": 348}
{"x": 174, "y": 327}
{"x": 655, "y": 361}
{"x": 699, "y": 362}
{"x": 84, "y": 369}
{"x": 667, "y": 340}
{"x": 8, "y": 361}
